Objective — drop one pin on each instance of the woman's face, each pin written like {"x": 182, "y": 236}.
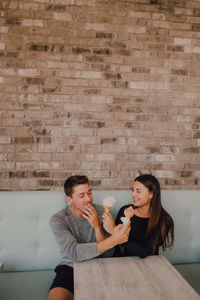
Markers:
{"x": 141, "y": 194}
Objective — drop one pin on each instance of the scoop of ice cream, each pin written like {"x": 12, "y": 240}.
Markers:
{"x": 129, "y": 212}
{"x": 125, "y": 220}
{"x": 108, "y": 202}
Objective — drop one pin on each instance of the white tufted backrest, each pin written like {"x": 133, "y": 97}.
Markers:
{"x": 184, "y": 207}
{"x": 26, "y": 241}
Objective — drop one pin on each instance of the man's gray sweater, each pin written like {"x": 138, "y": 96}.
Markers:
{"x": 75, "y": 236}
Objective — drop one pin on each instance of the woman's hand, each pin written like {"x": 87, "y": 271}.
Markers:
{"x": 108, "y": 222}
{"x": 129, "y": 212}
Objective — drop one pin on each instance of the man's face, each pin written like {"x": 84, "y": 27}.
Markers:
{"x": 81, "y": 195}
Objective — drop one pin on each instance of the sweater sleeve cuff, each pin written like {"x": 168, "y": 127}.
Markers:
{"x": 88, "y": 251}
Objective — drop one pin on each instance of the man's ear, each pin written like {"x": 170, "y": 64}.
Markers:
{"x": 69, "y": 199}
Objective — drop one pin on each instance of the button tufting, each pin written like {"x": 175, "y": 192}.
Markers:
{"x": 189, "y": 213}
{"x": 36, "y": 217}
{"x": 35, "y": 244}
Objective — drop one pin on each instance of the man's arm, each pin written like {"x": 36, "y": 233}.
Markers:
{"x": 68, "y": 243}
{"x": 120, "y": 235}
{"x": 78, "y": 252}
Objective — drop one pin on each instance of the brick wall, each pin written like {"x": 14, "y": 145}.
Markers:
{"x": 109, "y": 89}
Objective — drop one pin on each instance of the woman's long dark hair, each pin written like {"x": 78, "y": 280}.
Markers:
{"x": 160, "y": 223}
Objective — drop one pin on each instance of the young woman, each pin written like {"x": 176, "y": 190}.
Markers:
{"x": 151, "y": 225}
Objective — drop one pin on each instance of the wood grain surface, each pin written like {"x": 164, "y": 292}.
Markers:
{"x": 126, "y": 278}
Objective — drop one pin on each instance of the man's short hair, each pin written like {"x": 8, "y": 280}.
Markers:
{"x": 73, "y": 181}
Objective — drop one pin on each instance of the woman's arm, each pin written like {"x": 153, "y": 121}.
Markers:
{"x": 108, "y": 222}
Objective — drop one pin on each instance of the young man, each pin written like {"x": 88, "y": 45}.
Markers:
{"x": 79, "y": 234}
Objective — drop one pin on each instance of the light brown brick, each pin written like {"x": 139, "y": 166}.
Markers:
{"x": 111, "y": 95}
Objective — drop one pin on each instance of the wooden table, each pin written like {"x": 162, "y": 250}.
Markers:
{"x": 127, "y": 278}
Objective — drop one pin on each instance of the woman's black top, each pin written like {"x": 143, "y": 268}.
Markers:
{"x": 138, "y": 244}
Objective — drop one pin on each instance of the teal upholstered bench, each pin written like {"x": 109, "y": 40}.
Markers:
{"x": 30, "y": 253}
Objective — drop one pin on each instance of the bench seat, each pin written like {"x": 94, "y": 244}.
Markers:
{"x": 30, "y": 253}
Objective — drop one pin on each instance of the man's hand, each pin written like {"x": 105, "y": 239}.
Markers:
{"x": 121, "y": 233}
{"x": 90, "y": 214}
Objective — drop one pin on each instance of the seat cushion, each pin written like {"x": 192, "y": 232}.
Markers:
{"x": 25, "y": 285}
{"x": 191, "y": 272}
{"x": 35, "y": 285}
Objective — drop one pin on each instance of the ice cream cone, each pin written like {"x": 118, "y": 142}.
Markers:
{"x": 108, "y": 202}
{"x": 124, "y": 220}
{"x": 107, "y": 208}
